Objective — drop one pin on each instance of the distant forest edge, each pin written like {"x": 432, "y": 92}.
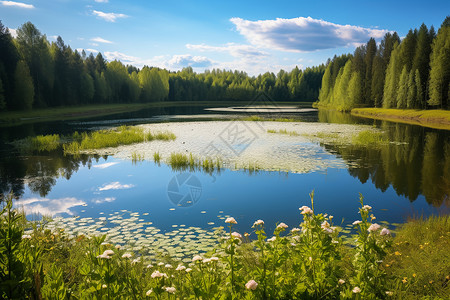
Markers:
{"x": 409, "y": 73}
{"x": 35, "y": 73}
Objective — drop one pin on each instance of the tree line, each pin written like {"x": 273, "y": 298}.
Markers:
{"x": 36, "y": 73}
{"x": 410, "y": 73}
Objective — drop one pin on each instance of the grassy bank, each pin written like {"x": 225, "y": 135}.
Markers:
{"x": 439, "y": 119}
{"x": 86, "y": 111}
{"x": 313, "y": 261}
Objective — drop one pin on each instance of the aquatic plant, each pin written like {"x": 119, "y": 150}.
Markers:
{"x": 369, "y": 137}
{"x": 58, "y": 259}
{"x": 41, "y": 143}
{"x": 156, "y": 157}
{"x": 123, "y": 135}
{"x": 135, "y": 157}
{"x": 283, "y": 131}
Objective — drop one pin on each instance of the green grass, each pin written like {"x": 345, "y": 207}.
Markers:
{"x": 157, "y": 157}
{"x": 312, "y": 262}
{"x": 369, "y": 137}
{"x": 124, "y": 135}
{"x": 264, "y": 119}
{"x": 421, "y": 255}
{"x": 41, "y": 143}
{"x": 136, "y": 157}
{"x": 434, "y": 118}
{"x": 283, "y": 131}
{"x": 181, "y": 161}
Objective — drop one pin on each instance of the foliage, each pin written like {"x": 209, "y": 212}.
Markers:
{"x": 420, "y": 258}
{"x": 311, "y": 262}
{"x": 369, "y": 137}
{"x": 397, "y": 74}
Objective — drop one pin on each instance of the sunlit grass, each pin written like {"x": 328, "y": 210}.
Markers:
{"x": 421, "y": 256}
{"x": 42, "y": 143}
{"x": 124, "y": 135}
{"x": 136, "y": 157}
{"x": 120, "y": 258}
{"x": 262, "y": 119}
{"x": 157, "y": 157}
{"x": 283, "y": 131}
{"x": 181, "y": 161}
{"x": 434, "y": 118}
{"x": 369, "y": 137}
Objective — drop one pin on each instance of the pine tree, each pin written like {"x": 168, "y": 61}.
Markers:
{"x": 402, "y": 88}
{"x": 419, "y": 93}
{"x": 411, "y": 99}
{"x": 24, "y": 88}
{"x": 422, "y": 56}
{"x": 391, "y": 81}
{"x": 355, "y": 91}
{"x": 371, "y": 50}
{"x": 440, "y": 67}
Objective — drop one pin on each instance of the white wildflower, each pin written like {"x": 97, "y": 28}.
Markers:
{"x": 251, "y": 285}
{"x": 258, "y": 222}
{"x": 373, "y": 227}
{"x": 230, "y": 220}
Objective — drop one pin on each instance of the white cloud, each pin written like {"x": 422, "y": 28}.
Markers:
{"x": 104, "y": 200}
{"x": 92, "y": 50}
{"x": 48, "y": 207}
{"x": 187, "y": 60}
{"x": 303, "y": 34}
{"x": 13, "y": 32}
{"x": 233, "y": 49}
{"x": 101, "y": 1}
{"x": 109, "y": 17}
{"x": 174, "y": 62}
{"x": 105, "y": 165}
{"x": 53, "y": 37}
{"x": 17, "y": 4}
{"x": 127, "y": 59}
{"x": 101, "y": 40}
{"x": 115, "y": 186}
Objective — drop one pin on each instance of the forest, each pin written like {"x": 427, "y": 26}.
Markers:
{"x": 36, "y": 73}
{"x": 413, "y": 72}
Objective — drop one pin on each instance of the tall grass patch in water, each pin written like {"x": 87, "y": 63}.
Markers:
{"x": 42, "y": 143}
{"x": 369, "y": 137}
{"x": 283, "y": 131}
{"x": 124, "y": 135}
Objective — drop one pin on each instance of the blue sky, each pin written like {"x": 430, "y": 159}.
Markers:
{"x": 253, "y": 36}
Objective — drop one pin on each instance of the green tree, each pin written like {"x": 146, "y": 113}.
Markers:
{"x": 440, "y": 67}
{"x": 24, "y": 89}
{"x": 419, "y": 93}
{"x": 411, "y": 99}
{"x": 355, "y": 92}
{"x": 391, "y": 81}
{"x": 8, "y": 62}
{"x": 402, "y": 89}
{"x": 34, "y": 49}
{"x": 2, "y": 97}
{"x": 371, "y": 51}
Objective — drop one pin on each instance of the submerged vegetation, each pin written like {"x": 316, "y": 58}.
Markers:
{"x": 311, "y": 261}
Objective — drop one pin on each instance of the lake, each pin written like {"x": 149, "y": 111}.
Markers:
{"x": 408, "y": 177}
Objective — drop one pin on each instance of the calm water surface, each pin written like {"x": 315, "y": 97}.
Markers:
{"x": 409, "y": 177}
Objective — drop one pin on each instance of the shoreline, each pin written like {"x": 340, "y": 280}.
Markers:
{"x": 437, "y": 119}
{"x": 9, "y": 118}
